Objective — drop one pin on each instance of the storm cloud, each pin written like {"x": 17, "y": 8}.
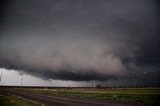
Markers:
{"x": 81, "y": 40}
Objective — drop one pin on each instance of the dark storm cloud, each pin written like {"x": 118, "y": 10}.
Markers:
{"x": 81, "y": 40}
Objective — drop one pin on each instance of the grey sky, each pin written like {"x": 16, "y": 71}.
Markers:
{"x": 81, "y": 40}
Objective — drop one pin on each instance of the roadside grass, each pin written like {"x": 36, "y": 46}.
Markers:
{"x": 150, "y": 95}
{"x": 8, "y": 100}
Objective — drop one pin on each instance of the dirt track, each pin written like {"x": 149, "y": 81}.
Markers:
{"x": 66, "y": 101}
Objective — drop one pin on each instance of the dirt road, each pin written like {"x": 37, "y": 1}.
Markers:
{"x": 66, "y": 101}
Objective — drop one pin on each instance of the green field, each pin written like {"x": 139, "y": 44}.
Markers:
{"x": 8, "y": 100}
{"x": 144, "y": 95}
{"x": 151, "y": 95}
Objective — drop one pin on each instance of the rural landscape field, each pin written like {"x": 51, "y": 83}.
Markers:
{"x": 80, "y": 96}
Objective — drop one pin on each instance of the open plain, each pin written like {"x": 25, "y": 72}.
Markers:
{"x": 88, "y": 96}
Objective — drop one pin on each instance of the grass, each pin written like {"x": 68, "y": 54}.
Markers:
{"x": 150, "y": 95}
{"x": 8, "y": 100}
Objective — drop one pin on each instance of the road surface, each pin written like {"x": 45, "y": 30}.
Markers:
{"x": 67, "y": 101}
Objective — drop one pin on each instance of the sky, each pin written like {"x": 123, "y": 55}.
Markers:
{"x": 77, "y": 42}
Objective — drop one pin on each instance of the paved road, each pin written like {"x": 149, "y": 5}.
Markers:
{"x": 66, "y": 101}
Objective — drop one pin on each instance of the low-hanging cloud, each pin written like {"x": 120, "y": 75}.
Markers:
{"x": 82, "y": 56}
{"x": 81, "y": 40}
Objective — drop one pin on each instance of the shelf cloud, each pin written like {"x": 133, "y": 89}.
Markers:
{"x": 81, "y": 40}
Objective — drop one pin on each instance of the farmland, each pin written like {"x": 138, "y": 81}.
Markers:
{"x": 151, "y": 95}
{"x": 129, "y": 96}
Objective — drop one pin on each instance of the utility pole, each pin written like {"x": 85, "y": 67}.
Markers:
{"x": 21, "y": 82}
{"x": 1, "y": 76}
{"x": 134, "y": 84}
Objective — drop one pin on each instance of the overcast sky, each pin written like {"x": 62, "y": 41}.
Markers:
{"x": 74, "y": 42}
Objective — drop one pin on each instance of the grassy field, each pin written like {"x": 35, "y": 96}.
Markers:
{"x": 8, "y": 100}
{"x": 151, "y": 95}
